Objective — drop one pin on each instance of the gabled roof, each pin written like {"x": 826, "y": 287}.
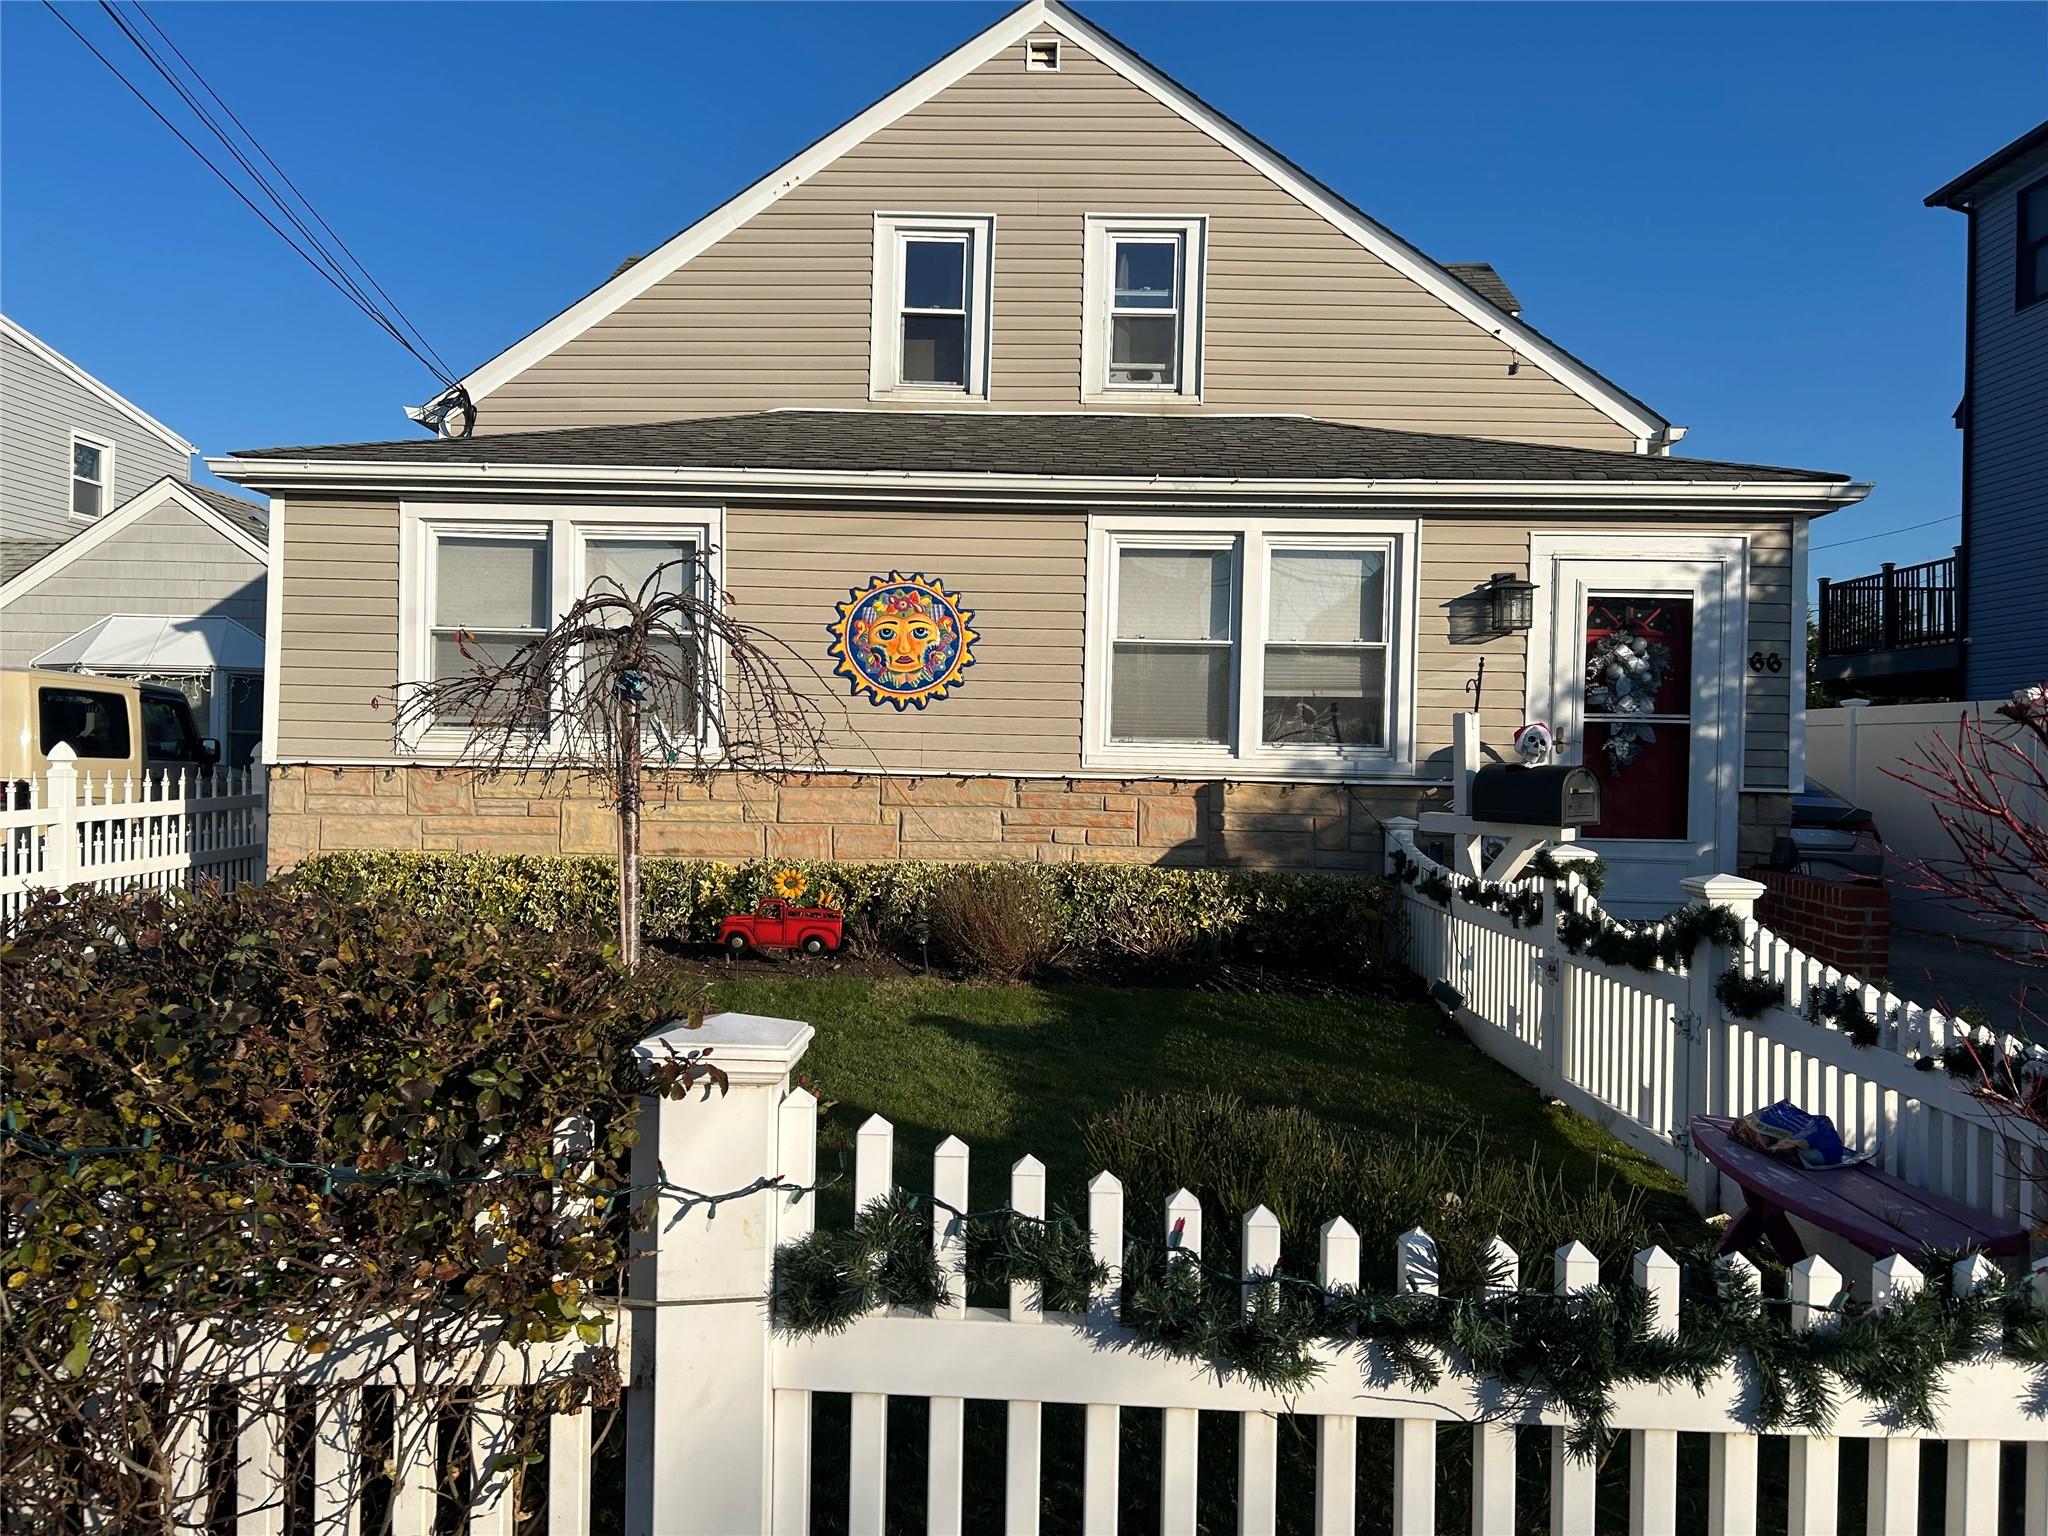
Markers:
{"x": 1038, "y": 16}
{"x": 242, "y": 523}
{"x": 1955, "y": 194}
{"x": 1139, "y": 449}
{"x": 14, "y": 332}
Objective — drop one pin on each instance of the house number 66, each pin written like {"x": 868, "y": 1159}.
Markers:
{"x": 1765, "y": 661}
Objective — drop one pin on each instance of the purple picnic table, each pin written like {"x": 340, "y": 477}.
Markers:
{"x": 1877, "y": 1211}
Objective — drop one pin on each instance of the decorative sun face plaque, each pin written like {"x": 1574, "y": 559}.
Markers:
{"x": 903, "y": 640}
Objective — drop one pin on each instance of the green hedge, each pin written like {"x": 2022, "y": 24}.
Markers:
{"x": 1110, "y": 913}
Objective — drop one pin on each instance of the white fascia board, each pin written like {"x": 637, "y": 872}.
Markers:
{"x": 1032, "y": 17}
{"x": 723, "y": 220}
{"x": 143, "y": 502}
{"x": 1366, "y": 231}
{"x": 13, "y": 331}
{"x": 264, "y": 473}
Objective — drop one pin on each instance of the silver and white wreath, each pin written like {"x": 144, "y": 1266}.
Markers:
{"x": 1623, "y": 674}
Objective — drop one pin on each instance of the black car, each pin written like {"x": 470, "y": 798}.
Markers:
{"x": 1831, "y": 837}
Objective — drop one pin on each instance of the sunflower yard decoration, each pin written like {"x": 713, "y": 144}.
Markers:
{"x": 903, "y": 640}
{"x": 790, "y": 884}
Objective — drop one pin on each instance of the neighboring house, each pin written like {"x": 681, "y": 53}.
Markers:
{"x": 1968, "y": 626}
{"x": 111, "y": 560}
{"x": 1209, "y": 473}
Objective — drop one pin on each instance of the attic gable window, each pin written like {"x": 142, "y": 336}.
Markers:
{"x": 1143, "y": 308}
{"x": 930, "y": 304}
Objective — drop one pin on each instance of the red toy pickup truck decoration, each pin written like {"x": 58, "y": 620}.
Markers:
{"x": 779, "y": 924}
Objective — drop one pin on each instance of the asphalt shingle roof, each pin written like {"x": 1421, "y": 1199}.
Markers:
{"x": 1480, "y": 277}
{"x": 17, "y": 555}
{"x": 245, "y": 515}
{"x": 1094, "y": 446}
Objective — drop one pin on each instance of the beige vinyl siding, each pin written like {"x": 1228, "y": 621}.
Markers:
{"x": 1299, "y": 318}
{"x": 1022, "y": 574}
{"x": 339, "y": 647}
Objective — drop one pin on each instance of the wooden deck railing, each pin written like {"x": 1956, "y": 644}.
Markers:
{"x": 1897, "y": 607}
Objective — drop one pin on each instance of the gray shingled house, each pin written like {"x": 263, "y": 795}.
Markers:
{"x": 111, "y": 560}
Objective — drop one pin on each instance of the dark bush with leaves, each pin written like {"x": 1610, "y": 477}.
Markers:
{"x": 272, "y": 1117}
{"x": 1113, "y": 920}
{"x": 995, "y": 920}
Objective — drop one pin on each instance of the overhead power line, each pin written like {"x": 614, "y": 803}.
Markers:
{"x": 283, "y": 175}
{"x": 325, "y": 259}
{"x": 1932, "y": 522}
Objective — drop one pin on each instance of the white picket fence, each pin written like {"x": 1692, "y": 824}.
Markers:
{"x": 721, "y": 1434}
{"x": 1642, "y": 1052}
{"x": 170, "y": 827}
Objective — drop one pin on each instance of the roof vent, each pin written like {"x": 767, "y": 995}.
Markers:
{"x": 1042, "y": 53}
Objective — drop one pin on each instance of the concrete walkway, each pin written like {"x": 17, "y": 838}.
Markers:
{"x": 1942, "y": 971}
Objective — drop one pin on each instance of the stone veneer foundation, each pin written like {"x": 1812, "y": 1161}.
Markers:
{"x": 848, "y": 817}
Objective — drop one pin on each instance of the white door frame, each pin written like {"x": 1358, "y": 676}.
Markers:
{"x": 1547, "y": 554}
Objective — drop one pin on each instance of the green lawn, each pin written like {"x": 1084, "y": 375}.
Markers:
{"x": 1017, "y": 1069}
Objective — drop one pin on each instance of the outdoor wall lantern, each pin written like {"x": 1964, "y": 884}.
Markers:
{"x": 1511, "y": 602}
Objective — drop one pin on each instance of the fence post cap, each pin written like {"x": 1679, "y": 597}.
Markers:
{"x": 63, "y": 755}
{"x": 1105, "y": 1183}
{"x": 747, "y": 1047}
{"x": 952, "y": 1146}
{"x": 1722, "y": 890}
{"x": 1855, "y": 703}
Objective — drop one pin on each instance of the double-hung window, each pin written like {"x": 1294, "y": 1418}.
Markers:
{"x": 1176, "y": 620}
{"x": 931, "y": 306}
{"x": 1254, "y": 645}
{"x": 1142, "y": 310}
{"x": 491, "y": 595}
{"x": 92, "y": 475}
{"x": 645, "y": 569}
{"x": 477, "y": 583}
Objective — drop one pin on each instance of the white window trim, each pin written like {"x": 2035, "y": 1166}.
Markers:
{"x": 567, "y": 529}
{"x": 106, "y": 448}
{"x": 1251, "y": 539}
{"x": 1099, "y": 273}
{"x": 885, "y": 305}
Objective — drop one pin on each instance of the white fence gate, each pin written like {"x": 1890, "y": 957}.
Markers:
{"x": 1642, "y": 1052}
{"x": 721, "y": 1434}
{"x": 171, "y": 827}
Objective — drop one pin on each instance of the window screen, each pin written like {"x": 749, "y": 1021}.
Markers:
{"x": 1326, "y": 652}
{"x": 88, "y": 479}
{"x": 627, "y": 565}
{"x": 934, "y": 318}
{"x": 1172, "y": 651}
{"x": 490, "y": 598}
{"x": 93, "y": 722}
{"x": 1144, "y": 324}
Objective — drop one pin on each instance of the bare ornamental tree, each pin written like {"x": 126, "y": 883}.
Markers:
{"x": 630, "y": 689}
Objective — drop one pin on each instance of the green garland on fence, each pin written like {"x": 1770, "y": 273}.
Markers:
{"x": 1844, "y": 1005}
{"x": 1642, "y": 946}
{"x": 1747, "y": 996}
{"x": 1571, "y": 1351}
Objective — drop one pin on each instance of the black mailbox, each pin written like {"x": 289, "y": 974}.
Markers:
{"x": 1553, "y": 796}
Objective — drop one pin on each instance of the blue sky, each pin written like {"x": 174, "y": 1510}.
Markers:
{"x": 1718, "y": 206}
